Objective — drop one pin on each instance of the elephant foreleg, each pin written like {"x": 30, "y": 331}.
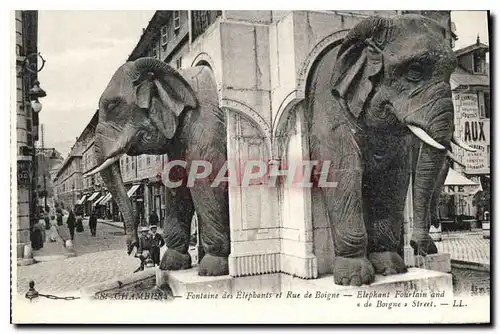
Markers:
{"x": 178, "y": 229}
{"x": 211, "y": 205}
{"x": 344, "y": 203}
{"x": 385, "y": 192}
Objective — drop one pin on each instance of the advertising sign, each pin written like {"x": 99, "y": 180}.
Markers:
{"x": 474, "y": 131}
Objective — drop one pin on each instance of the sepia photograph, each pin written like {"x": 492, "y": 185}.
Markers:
{"x": 250, "y": 166}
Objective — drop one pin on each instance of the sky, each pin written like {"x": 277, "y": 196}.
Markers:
{"x": 84, "y": 48}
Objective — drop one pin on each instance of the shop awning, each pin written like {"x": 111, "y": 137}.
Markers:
{"x": 106, "y": 199}
{"x": 98, "y": 200}
{"x": 81, "y": 200}
{"x": 93, "y": 196}
{"x": 132, "y": 190}
{"x": 457, "y": 184}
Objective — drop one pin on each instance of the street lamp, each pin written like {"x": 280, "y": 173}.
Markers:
{"x": 35, "y": 93}
{"x": 36, "y": 105}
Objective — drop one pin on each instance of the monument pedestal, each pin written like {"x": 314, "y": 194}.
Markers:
{"x": 188, "y": 281}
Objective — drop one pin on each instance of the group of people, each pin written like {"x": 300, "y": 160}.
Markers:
{"x": 46, "y": 229}
{"x": 148, "y": 249}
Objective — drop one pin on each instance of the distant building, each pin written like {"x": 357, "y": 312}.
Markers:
{"x": 68, "y": 180}
{"x": 471, "y": 98}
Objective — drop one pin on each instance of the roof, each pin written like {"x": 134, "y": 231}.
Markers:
{"x": 463, "y": 78}
{"x": 152, "y": 31}
{"x": 66, "y": 162}
{"x": 472, "y": 47}
{"x": 90, "y": 126}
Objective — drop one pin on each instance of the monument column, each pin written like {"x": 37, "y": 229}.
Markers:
{"x": 296, "y": 217}
{"x": 253, "y": 213}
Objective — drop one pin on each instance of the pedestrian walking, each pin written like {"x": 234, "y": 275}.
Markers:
{"x": 71, "y": 224}
{"x": 156, "y": 243}
{"x": 53, "y": 232}
{"x": 38, "y": 235}
{"x": 153, "y": 218}
{"x": 93, "y": 223}
{"x": 59, "y": 216}
{"x": 78, "y": 210}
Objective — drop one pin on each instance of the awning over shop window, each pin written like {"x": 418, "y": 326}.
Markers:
{"x": 81, "y": 200}
{"x": 457, "y": 184}
{"x": 98, "y": 200}
{"x": 133, "y": 190}
{"x": 94, "y": 195}
{"x": 106, "y": 199}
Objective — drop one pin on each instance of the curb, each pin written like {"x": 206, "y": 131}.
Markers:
{"x": 117, "y": 283}
{"x": 470, "y": 265}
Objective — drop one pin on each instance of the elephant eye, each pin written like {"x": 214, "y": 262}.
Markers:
{"x": 415, "y": 72}
{"x": 111, "y": 106}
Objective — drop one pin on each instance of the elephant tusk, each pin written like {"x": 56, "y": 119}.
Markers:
{"x": 423, "y": 136}
{"x": 454, "y": 158}
{"x": 105, "y": 165}
{"x": 455, "y": 140}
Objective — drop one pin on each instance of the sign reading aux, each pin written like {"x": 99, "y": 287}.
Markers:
{"x": 474, "y": 131}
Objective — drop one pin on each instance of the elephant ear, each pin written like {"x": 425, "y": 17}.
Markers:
{"x": 165, "y": 93}
{"x": 359, "y": 60}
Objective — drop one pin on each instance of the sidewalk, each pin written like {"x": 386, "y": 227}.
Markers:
{"x": 120, "y": 224}
{"x": 466, "y": 248}
{"x": 53, "y": 250}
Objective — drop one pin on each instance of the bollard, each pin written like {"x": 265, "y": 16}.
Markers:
{"x": 486, "y": 225}
{"x": 69, "y": 244}
{"x": 28, "y": 253}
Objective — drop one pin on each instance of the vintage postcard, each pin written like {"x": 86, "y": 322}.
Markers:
{"x": 250, "y": 166}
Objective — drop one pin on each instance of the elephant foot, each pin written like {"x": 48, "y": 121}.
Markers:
{"x": 211, "y": 265}
{"x": 423, "y": 244}
{"x": 352, "y": 271}
{"x": 174, "y": 260}
{"x": 387, "y": 263}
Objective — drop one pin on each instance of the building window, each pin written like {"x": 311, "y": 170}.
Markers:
{"x": 158, "y": 157}
{"x": 177, "y": 20}
{"x": 154, "y": 51}
{"x": 164, "y": 35}
{"x": 487, "y": 110}
{"x": 478, "y": 63}
{"x": 148, "y": 160}
{"x": 178, "y": 63}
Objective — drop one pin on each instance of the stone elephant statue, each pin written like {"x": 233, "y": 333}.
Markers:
{"x": 379, "y": 96}
{"x": 150, "y": 108}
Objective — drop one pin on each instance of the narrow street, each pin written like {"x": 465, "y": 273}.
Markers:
{"x": 97, "y": 259}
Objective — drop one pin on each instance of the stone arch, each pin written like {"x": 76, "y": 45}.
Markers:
{"x": 296, "y": 96}
{"x": 204, "y": 59}
{"x": 251, "y": 115}
{"x": 316, "y": 52}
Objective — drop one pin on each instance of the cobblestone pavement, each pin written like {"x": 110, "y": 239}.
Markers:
{"x": 98, "y": 259}
{"x": 470, "y": 247}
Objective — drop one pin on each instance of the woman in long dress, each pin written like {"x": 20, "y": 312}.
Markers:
{"x": 53, "y": 233}
{"x": 38, "y": 235}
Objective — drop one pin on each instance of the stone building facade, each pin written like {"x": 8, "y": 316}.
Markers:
{"x": 27, "y": 122}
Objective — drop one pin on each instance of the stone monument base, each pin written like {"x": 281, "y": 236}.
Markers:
{"x": 188, "y": 281}
{"x": 437, "y": 262}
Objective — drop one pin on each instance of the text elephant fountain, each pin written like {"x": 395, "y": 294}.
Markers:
{"x": 371, "y": 101}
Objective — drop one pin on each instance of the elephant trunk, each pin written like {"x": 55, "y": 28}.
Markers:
{"x": 113, "y": 180}
{"x": 431, "y": 168}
